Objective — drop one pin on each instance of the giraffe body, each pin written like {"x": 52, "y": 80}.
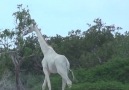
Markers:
{"x": 52, "y": 62}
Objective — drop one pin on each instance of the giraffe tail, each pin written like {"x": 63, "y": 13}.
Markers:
{"x": 72, "y": 74}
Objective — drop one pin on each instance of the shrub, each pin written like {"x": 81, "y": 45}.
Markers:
{"x": 100, "y": 85}
{"x": 116, "y": 69}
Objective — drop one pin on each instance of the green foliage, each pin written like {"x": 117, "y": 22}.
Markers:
{"x": 116, "y": 69}
{"x": 5, "y": 64}
{"x": 121, "y": 45}
{"x": 33, "y": 82}
{"x": 101, "y": 85}
{"x": 23, "y": 18}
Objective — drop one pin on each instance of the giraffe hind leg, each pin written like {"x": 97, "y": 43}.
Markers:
{"x": 64, "y": 74}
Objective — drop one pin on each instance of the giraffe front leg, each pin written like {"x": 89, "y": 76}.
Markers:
{"x": 47, "y": 78}
{"x": 44, "y": 84}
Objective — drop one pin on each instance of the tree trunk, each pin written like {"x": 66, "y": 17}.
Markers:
{"x": 17, "y": 76}
{"x": 17, "y": 64}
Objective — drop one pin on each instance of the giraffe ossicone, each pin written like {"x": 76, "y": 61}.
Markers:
{"x": 52, "y": 61}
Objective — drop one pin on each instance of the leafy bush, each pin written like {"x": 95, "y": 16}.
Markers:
{"x": 6, "y": 83}
{"x": 115, "y": 69}
{"x": 100, "y": 85}
{"x": 32, "y": 81}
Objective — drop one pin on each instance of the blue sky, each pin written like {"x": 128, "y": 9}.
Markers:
{"x": 61, "y": 16}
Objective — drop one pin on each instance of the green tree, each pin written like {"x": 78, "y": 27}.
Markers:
{"x": 13, "y": 43}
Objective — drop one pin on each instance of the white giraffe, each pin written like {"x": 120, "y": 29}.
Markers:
{"x": 52, "y": 62}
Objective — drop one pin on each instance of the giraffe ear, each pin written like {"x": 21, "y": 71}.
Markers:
{"x": 39, "y": 29}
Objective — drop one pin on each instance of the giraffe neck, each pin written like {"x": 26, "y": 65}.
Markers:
{"x": 42, "y": 42}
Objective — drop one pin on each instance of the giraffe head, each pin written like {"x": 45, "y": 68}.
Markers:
{"x": 29, "y": 29}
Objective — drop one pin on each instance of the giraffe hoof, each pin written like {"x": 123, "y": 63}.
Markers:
{"x": 69, "y": 86}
